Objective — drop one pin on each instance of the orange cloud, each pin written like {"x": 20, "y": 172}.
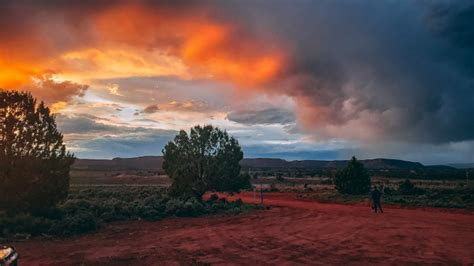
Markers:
{"x": 113, "y": 62}
{"x": 13, "y": 75}
{"x": 210, "y": 48}
{"x": 131, "y": 40}
{"x": 217, "y": 50}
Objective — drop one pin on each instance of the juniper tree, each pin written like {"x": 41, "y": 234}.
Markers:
{"x": 205, "y": 159}
{"x": 353, "y": 179}
{"x": 34, "y": 163}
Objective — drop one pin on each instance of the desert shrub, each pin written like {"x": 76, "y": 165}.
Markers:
{"x": 238, "y": 203}
{"x": 192, "y": 207}
{"x": 299, "y": 174}
{"x": 408, "y": 188}
{"x": 79, "y": 223}
{"x": 327, "y": 181}
{"x": 24, "y": 223}
{"x": 75, "y": 205}
{"x": 151, "y": 214}
{"x": 279, "y": 177}
{"x": 79, "y": 214}
{"x": 353, "y": 179}
{"x": 172, "y": 206}
{"x": 213, "y": 197}
{"x": 388, "y": 191}
{"x": 273, "y": 188}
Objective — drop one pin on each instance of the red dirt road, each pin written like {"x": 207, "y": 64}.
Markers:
{"x": 291, "y": 232}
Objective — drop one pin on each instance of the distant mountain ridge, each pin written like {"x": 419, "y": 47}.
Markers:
{"x": 135, "y": 163}
{"x": 155, "y": 163}
{"x": 462, "y": 165}
{"x": 370, "y": 164}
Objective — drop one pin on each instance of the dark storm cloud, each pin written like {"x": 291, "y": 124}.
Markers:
{"x": 455, "y": 22}
{"x": 374, "y": 64}
{"x": 259, "y": 117}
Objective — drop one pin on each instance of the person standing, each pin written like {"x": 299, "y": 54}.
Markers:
{"x": 376, "y": 195}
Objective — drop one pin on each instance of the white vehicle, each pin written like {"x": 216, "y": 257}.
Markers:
{"x": 8, "y": 256}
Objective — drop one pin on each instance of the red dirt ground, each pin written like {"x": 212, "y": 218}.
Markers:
{"x": 291, "y": 232}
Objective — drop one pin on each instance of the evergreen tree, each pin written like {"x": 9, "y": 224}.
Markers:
{"x": 206, "y": 159}
{"x": 34, "y": 164}
{"x": 353, "y": 179}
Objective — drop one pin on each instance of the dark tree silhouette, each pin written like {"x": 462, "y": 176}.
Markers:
{"x": 353, "y": 179}
{"x": 206, "y": 159}
{"x": 34, "y": 164}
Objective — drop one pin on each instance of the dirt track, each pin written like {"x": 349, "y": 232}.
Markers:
{"x": 292, "y": 232}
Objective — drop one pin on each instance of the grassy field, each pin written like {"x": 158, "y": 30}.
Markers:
{"x": 435, "y": 193}
{"x": 89, "y": 177}
{"x": 426, "y": 193}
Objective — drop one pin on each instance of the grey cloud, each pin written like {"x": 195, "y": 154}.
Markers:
{"x": 108, "y": 141}
{"x": 204, "y": 95}
{"x": 261, "y": 117}
{"x": 81, "y": 124}
{"x": 151, "y": 109}
{"x": 145, "y": 142}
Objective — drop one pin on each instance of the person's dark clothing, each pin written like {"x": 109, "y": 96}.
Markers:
{"x": 376, "y": 195}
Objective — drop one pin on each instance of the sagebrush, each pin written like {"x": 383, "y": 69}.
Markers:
{"x": 86, "y": 209}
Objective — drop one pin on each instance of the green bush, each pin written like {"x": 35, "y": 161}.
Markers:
{"x": 327, "y": 181}
{"x": 25, "y": 224}
{"x": 238, "y": 203}
{"x": 79, "y": 223}
{"x": 86, "y": 209}
{"x": 279, "y": 177}
{"x": 213, "y": 197}
{"x": 388, "y": 191}
{"x": 192, "y": 207}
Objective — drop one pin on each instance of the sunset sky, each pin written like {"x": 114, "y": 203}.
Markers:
{"x": 290, "y": 79}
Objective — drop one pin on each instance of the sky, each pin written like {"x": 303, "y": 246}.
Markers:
{"x": 289, "y": 79}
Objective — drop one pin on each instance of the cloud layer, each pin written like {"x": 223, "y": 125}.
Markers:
{"x": 262, "y": 117}
{"x": 375, "y": 76}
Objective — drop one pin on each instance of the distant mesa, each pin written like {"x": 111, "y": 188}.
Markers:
{"x": 120, "y": 164}
{"x": 155, "y": 163}
{"x": 462, "y": 165}
{"x": 337, "y": 164}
